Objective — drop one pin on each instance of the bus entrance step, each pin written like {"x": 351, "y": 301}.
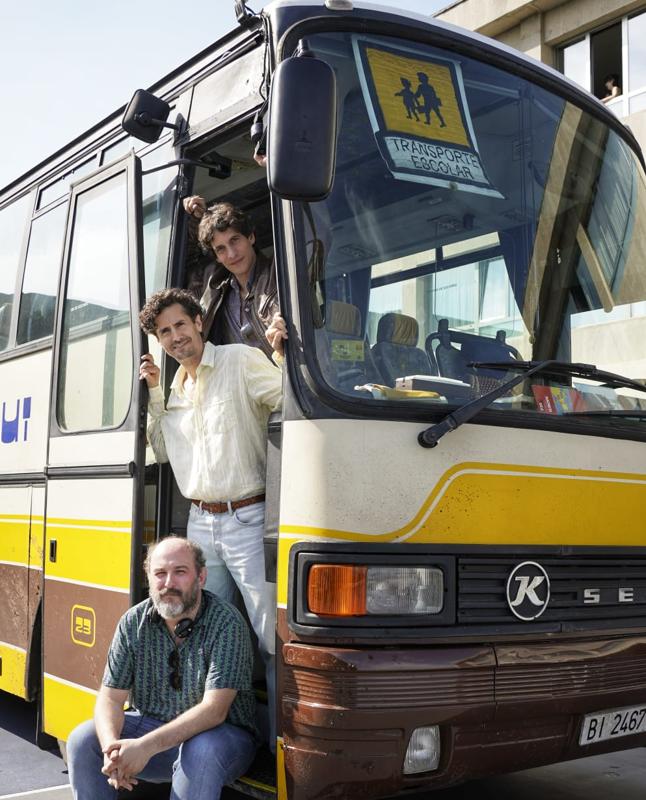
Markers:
{"x": 260, "y": 781}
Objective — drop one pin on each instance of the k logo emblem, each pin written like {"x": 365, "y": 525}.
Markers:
{"x": 528, "y": 590}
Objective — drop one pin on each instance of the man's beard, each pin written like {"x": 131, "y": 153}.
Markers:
{"x": 172, "y": 603}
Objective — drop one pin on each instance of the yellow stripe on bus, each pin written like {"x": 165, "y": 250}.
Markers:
{"x": 118, "y": 524}
{"x": 14, "y": 538}
{"x": 258, "y": 784}
{"x": 281, "y": 784}
{"x": 65, "y": 707}
{"x": 91, "y": 551}
{"x": 507, "y": 504}
{"x": 14, "y": 662}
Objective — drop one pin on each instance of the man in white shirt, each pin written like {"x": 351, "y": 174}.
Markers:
{"x": 213, "y": 431}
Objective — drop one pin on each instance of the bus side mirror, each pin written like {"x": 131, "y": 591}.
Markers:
{"x": 301, "y": 140}
{"x": 145, "y": 117}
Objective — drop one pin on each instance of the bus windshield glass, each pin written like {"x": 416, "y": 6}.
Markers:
{"x": 475, "y": 218}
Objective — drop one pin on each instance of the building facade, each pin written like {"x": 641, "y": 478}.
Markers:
{"x": 587, "y": 40}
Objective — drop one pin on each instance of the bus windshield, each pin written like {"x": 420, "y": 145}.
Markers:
{"x": 475, "y": 218}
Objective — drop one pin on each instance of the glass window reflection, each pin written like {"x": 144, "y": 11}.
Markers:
{"x": 158, "y": 190}
{"x": 576, "y": 63}
{"x": 61, "y": 186}
{"x": 13, "y": 221}
{"x": 40, "y": 282}
{"x": 96, "y": 359}
{"x": 425, "y": 278}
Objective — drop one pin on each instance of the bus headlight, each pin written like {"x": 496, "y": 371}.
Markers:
{"x": 423, "y": 752}
{"x": 404, "y": 590}
{"x": 345, "y": 590}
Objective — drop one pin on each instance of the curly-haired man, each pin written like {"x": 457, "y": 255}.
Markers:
{"x": 240, "y": 297}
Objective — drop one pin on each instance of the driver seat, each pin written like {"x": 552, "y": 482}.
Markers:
{"x": 344, "y": 354}
{"x": 396, "y": 352}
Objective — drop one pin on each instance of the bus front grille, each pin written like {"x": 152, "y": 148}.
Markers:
{"x": 583, "y": 591}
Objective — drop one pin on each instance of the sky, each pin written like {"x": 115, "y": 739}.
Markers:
{"x": 67, "y": 64}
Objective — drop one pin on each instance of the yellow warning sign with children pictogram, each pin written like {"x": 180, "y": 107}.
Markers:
{"x": 426, "y": 103}
{"x": 420, "y": 117}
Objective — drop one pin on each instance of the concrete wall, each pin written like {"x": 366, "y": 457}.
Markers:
{"x": 613, "y": 346}
{"x": 559, "y": 20}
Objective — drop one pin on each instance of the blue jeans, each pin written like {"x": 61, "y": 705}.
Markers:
{"x": 197, "y": 769}
{"x": 233, "y": 548}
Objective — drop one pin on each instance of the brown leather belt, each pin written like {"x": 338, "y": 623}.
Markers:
{"x": 220, "y": 508}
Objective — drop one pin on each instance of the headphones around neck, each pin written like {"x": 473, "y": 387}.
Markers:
{"x": 185, "y": 626}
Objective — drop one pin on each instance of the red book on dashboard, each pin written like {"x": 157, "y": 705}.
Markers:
{"x": 558, "y": 399}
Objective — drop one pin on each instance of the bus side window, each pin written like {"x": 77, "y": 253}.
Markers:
{"x": 5, "y": 324}
{"x": 12, "y": 230}
{"x": 159, "y": 190}
{"x": 96, "y": 361}
{"x": 44, "y": 253}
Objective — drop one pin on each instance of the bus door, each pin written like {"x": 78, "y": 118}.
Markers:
{"x": 95, "y": 469}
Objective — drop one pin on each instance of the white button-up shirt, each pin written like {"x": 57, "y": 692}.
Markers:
{"x": 215, "y": 437}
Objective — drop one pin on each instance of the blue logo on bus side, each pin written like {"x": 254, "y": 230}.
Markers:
{"x": 11, "y": 427}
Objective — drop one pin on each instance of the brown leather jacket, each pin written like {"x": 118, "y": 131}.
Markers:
{"x": 260, "y": 305}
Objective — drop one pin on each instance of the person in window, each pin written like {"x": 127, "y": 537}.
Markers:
{"x": 611, "y": 82}
{"x": 184, "y": 658}
{"x": 238, "y": 292}
{"x": 213, "y": 432}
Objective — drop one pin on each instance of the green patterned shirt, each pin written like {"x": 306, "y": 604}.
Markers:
{"x": 216, "y": 655}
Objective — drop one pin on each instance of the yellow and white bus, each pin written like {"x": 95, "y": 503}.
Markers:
{"x": 456, "y": 483}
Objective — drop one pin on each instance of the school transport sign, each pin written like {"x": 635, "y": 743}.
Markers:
{"x": 420, "y": 117}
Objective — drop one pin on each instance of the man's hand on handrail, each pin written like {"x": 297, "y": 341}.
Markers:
{"x": 276, "y": 334}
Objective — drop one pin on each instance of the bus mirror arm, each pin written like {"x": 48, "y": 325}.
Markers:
{"x": 217, "y": 169}
{"x": 431, "y": 436}
{"x": 145, "y": 119}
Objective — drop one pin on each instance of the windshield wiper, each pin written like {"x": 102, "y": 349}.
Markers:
{"x": 572, "y": 369}
{"x": 431, "y": 436}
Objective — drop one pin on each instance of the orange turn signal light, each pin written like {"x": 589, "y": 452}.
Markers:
{"x": 337, "y": 590}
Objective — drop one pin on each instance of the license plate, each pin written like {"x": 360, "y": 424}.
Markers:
{"x": 613, "y": 724}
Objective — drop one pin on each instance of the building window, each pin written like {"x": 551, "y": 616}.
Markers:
{"x": 611, "y": 64}
{"x": 576, "y": 63}
{"x": 636, "y": 27}
{"x": 606, "y": 63}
